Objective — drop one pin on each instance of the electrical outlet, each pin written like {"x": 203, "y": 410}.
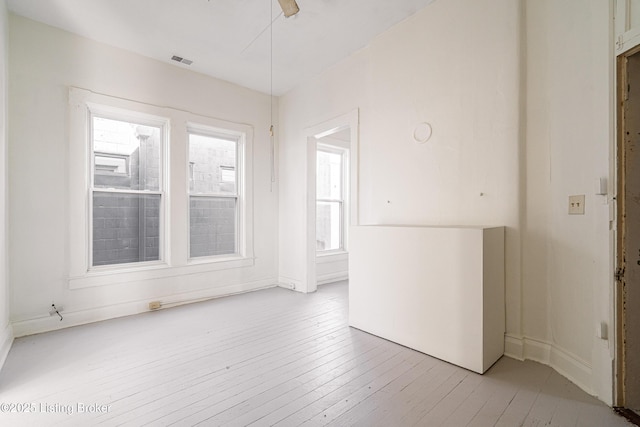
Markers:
{"x": 154, "y": 305}
{"x": 576, "y": 205}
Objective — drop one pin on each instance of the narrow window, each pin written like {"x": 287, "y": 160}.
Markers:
{"x": 214, "y": 194}
{"x": 126, "y": 190}
{"x": 330, "y": 199}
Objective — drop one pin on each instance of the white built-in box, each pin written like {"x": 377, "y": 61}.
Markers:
{"x": 438, "y": 290}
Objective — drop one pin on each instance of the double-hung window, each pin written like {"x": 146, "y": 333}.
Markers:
{"x": 330, "y": 189}
{"x": 126, "y": 188}
{"x": 215, "y": 191}
{"x": 155, "y": 192}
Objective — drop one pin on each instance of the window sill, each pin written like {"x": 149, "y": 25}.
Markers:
{"x": 220, "y": 260}
{"x": 112, "y": 276}
{"x": 332, "y": 256}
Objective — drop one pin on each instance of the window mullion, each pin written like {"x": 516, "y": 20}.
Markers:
{"x": 210, "y": 195}
{"x": 121, "y": 191}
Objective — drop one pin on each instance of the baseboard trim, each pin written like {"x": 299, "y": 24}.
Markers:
{"x": 6, "y": 341}
{"x": 332, "y": 277}
{"x": 574, "y": 368}
{"x": 289, "y": 283}
{"x": 81, "y": 317}
{"x": 565, "y": 363}
{"x": 296, "y": 285}
{"x": 537, "y": 350}
{"x": 513, "y": 347}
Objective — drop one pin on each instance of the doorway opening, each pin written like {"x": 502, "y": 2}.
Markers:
{"x": 628, "y": 234}
{"x": 332, "y": 201}
{"x": 332, "y": 207}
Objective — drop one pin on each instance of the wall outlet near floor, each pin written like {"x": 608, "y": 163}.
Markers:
{"x": 154, "y": 305}
{"x": 576, "y": 205}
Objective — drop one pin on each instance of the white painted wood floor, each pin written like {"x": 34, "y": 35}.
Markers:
{"x": 270, "y": 357}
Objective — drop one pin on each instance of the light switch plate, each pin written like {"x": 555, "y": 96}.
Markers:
{"x": 576, "y": 205}
{"x": 602, "y": 331}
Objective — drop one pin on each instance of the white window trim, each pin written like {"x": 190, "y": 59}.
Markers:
{"x": 332, "y": 256}
{"x": 106, "y": 112}
{"x": 176, "y": 180}
{"x": 348, "y": 120}
{"x": 240, "y": 139}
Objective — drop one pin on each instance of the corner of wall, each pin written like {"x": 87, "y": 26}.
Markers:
{"x": 514, "y": 347}
{"x": 6, "y": 341}
{"x": 6, "y": 333}
{"x": 289, "y": 283}
{"x": 565, "y": 363}
{"x": 557, "y": 327}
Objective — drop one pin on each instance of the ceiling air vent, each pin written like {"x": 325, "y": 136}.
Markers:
{"x": 182, "y": 60}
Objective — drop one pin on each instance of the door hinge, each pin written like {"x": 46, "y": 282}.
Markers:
{"x": 619, "y": 274}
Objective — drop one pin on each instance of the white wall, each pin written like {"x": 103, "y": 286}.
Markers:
{"x": 518, "y": 94}
{"x": 44, "y": 63}
{"x": 332, "y": 268}
{"x": 455, "y": 64}
{"x": 6, "y": 335}
{"x": 567, "y": 282}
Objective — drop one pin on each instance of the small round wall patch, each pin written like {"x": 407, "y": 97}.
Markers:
{"x": 422, "y": 133}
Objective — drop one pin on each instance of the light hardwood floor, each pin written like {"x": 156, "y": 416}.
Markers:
{"x": 270, "y": 357}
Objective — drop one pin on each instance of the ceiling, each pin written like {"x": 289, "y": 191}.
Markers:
{"x": 229, "y": 39}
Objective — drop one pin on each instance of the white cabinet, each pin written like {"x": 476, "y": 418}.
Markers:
{"x": 438, "y": 290}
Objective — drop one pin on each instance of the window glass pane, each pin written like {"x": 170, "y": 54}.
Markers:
{"x": 212, "y": 165}
{"x": 328, "y": 226}
{"x": 126, "y": 228}
{"x": 329, "y": 175}
{"x": 126, "y": 155}
{"x": 212, "y": 226}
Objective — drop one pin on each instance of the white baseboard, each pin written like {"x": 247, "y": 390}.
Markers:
{"x": 513, "y": 347}
{"x": 289, "y": 283}
{"x": 565, "y": 363}
{"x": 75, "y": 318}
{"x": 332, "y": 277}
{"x": 296, "y": 285}
{"x": 6, "y": 341}
{"x": 572, "y": 367}
{"x": 537, "y": 350}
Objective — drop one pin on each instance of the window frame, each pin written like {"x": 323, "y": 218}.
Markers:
{"x": 122, "y": 115}
{"x": 240, "y": 140}
{"x": 175, "y": 262}
{"x": 344, "y": 191}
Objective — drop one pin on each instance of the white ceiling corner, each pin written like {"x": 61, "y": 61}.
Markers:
{"x": 229, "y": 39}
